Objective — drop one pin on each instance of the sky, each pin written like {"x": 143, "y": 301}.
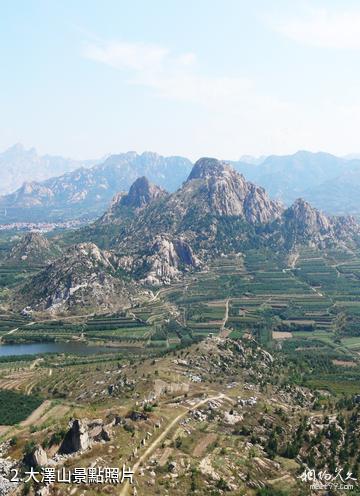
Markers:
{"x": 195, "y": 78}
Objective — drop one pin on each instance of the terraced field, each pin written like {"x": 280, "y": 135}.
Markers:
{"x": 317, "y": 298}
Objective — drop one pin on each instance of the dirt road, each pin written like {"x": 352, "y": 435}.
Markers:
{"x": 125, "y": 489}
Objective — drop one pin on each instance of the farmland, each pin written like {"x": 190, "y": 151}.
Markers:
{"x": 318, "y": 296}
{"x": 314, "y": 302}
{"x": 306, "y": 315}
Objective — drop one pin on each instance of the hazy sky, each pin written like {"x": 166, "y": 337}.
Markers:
{"x": 190, "y": 77}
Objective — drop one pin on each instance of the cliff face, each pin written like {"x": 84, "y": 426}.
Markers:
{"x": 167, "y": 260}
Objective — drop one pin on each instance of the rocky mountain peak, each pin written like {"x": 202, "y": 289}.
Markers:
{"x": 141, "y": 193}
{"x": 208, "y": 167}
{"x": 32, "y": 247}
{"x": 306, "y": 217}
{"x": 225, "y": 192}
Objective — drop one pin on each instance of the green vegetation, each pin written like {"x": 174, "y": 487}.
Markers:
{"x": 16, "y": 407}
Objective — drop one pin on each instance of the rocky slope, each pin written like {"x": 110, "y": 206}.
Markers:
{"x": 88, "y": 191}
{"x": 141, "y": 194}
{"x": 33, "y": 248}
{"x": 162, "y": 261}
{"x": 84, "y": 277}
{"x": 301, "y": 224}
{"x": 213, "y": 195}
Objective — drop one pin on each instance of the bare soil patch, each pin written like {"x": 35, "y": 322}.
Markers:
{"x": 282, "y": 335}
{"x": 200, "y": 448}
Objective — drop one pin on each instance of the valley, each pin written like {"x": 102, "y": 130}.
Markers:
{"x": 151, "y": 357}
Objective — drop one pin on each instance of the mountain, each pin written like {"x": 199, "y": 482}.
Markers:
{"x": 303, "y": 225}
{"x": 216, "y": 211}
{"x": 83, "y": 277}
{"x": 141, "y": 194}
{"x": 18, "y": 165}
{"x": 288, "y": 177}
{"x": 200, "y": 210}
{"x": 339, "y": 195}
{"x": 155, "y": 237}
{"x": 88, "y": 191}
{"x": 33, "y": 248}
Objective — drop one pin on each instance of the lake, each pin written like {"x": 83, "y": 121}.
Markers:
{"x": 39, "y": 348}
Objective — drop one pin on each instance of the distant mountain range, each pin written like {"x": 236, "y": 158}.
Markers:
{"x": 312, "y": 176}
{"x": 19, "y": 165}
{"x": 88, "y": 191}
{"x": 328, "y": 182}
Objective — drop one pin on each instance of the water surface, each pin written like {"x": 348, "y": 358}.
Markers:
{"x": 39, "y": 348}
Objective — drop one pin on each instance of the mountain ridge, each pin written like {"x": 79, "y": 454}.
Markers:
{"x": 88, "y": 191}
{"x": 19, "y": 165}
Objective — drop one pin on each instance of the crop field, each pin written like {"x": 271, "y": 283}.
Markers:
{"x": 10, "y": 275}
{"x": 15, "y": 407}
{"x": 9, "y": 322}
{"x": 315, "y": 300}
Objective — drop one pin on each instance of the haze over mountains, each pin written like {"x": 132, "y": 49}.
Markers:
{"x": 88, "y": 191}
{"x": 328, "y": 182}
{"x": 19, "y": 165}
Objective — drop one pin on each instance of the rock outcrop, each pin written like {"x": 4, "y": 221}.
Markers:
{"x": 83, "y": 433}
{"x": 167, "y": 260}
{"x": 37, "y": 457}
{"x": 84, "y": 276}
{"x": 77, "y": 438}
{"x": 301, "y": 224}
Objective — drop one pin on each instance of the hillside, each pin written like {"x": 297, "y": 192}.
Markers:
{"x": 33, "y": 248}
{"x": 83, "y": 278}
